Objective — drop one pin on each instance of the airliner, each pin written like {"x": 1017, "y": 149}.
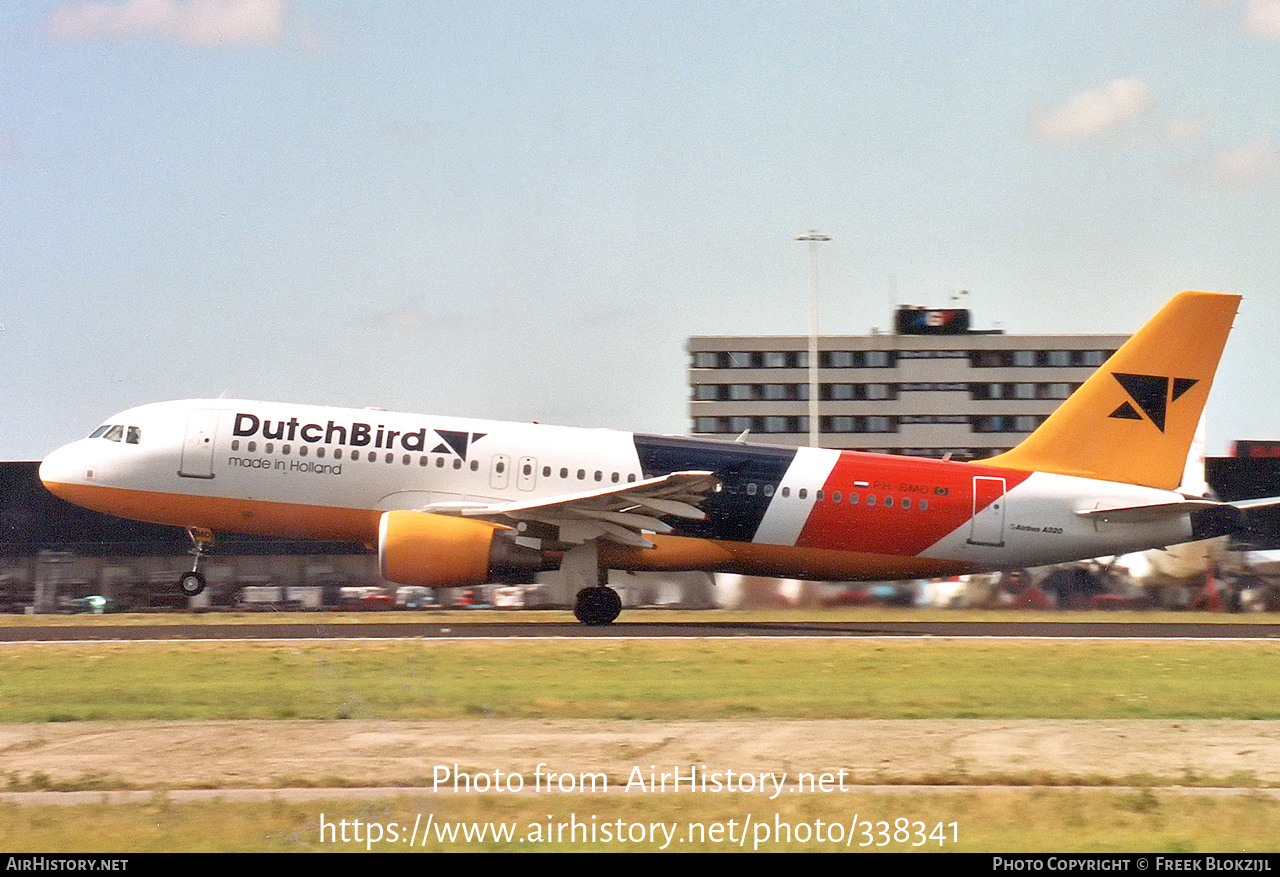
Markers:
{"x": 449, "y": 502}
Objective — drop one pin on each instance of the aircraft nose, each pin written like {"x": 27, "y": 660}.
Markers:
{"x": 62, "y": 467}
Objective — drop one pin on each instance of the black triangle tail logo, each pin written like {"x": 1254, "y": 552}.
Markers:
{"x": 1152, "y": 394}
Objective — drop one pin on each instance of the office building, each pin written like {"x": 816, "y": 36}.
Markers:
{"x": 933, "y": 387}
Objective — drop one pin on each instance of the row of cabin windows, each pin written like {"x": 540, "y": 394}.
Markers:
{"x": 597, "y": 475}
{"x": 721, "y": 359}
{"x": 752, "y": 488}
{"x": 354, "y": 454}
{"x": 875, "y": 392}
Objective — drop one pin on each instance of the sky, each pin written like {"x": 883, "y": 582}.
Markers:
{"x": 520, "y": 211}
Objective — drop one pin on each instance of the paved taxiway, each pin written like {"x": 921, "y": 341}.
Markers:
{"x": 94, "y": 630}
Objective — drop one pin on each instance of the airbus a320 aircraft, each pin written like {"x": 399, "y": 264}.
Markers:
{"x": 450, "y": 502}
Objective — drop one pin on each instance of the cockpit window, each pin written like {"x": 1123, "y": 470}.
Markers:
{"x": 115, "y": 432}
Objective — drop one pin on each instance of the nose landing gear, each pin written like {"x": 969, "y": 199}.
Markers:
{"x": 192, "y": 583}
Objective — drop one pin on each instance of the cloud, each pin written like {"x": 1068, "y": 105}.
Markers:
{"x": 190, "y": 22}
{"x": 1262, "y": 17}
{"x": 1247, "y": 165}
{"x": 1094, "y": 112}
{"x": 1183, "y": 130}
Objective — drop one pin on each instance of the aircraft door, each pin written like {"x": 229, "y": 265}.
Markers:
{"x": 500, "y": 472}
{"x": 987, "y": 525}
{"x": 527, "y": 473}
{"x": 197, "y": 444}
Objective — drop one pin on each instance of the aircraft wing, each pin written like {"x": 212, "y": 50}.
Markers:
{"x": 621, "y": 513}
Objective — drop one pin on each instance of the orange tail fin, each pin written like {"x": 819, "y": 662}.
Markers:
{"x": 1134, "y": 419}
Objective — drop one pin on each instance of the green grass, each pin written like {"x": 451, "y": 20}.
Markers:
{"x": 642, "y": 679}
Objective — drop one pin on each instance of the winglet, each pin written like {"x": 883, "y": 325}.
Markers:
{"x": 1134, "y": 419}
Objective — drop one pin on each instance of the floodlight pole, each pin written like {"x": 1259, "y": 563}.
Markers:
{"x": 813, "y": 238}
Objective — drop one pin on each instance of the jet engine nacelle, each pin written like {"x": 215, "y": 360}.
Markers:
{"x": 439, "y": 551}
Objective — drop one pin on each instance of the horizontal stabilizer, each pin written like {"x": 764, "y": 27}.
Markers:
{"x": 1209, "y": 517}
{"x": 1263, "y": 503}
{"x": 1159, "y": 511}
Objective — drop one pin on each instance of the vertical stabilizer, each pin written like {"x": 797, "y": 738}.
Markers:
{"x": 1134, "y": 419}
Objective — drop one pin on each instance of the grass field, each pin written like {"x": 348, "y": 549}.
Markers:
{"x": 642, "y": 679}
{"x": 721, "y": 680}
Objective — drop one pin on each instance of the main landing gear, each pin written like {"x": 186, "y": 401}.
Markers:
{"x": 192, "y": 583}
{"x": 597, "y": 603}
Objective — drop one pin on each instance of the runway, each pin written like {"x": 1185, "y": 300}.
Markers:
{"x": 94, "y": 630}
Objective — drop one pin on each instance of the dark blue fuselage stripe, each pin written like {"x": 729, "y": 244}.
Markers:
{"x": 735, "y": 512}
